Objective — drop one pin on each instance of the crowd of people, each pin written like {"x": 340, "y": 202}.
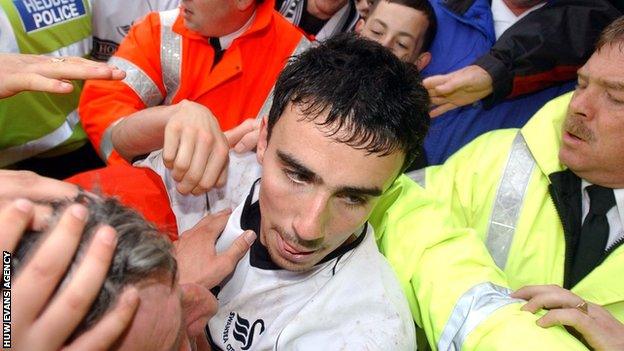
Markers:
{"x": 312, "y": 174}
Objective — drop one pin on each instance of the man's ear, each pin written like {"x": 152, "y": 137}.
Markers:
{"x": 262, "y": 140}
{"x": 243, "y": 5}
{"x": 423, "y": 60}
{"x": 359, "y": 25}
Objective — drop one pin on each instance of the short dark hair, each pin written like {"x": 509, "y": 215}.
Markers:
{"x": 419, "y": 5}
{"x": 612, "y": 34}
{"x": 142, "y": 252}
{"x": 376, "y": 101}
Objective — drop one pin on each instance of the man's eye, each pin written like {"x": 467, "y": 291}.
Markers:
{"x": 402, "y": 46}
{"x": 376, "y": 32}
{"x": 354, "y": 200}
{"x": 295, "y": 177}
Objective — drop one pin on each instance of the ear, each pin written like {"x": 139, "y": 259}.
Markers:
{"x": 262, "y": 140}
{"x": 423, "y": 60}
{"x": 359, "y": 25}
{"x": 244, "y": 5}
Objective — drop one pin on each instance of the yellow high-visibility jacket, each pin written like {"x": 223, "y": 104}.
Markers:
{"x": 473, "y": 229}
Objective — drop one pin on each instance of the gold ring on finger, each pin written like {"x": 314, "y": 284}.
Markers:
{"x": 582, "y": 306}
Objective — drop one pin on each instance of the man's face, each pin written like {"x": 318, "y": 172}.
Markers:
{"x": 150, "y": 330}
{"x": 315, "y": 192}
{"x": 209, "y": 17}
{"x": 363, "y": 7}
{"x": 397, "y": 27}
{"x": 593, "y": 133}
{"x": 162, "y": 320}
{"x": 324, "y": 9}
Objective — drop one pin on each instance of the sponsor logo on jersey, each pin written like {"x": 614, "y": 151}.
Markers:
{"x": 242, "y": 331}
{"x": 39, "y": 14}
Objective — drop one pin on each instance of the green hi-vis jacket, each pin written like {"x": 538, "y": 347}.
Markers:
{"x": 484, "y": 223}
{"x": 35, "y": 123}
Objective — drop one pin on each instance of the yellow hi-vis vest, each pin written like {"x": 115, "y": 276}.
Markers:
{"x": 35, "y": 123}
{"x": 481, "y": 224}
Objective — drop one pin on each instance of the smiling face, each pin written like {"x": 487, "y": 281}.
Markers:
{"x": 399, "y": 28}
{"x": 315, "y": 192}
{"x": 593, "y": 133}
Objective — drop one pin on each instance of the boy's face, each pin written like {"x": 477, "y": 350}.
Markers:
{"x": 315, "y": 192}
{"x": 399, "y": 28}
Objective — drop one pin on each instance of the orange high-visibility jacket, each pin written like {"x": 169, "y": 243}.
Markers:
{"x": 165, "y": 63}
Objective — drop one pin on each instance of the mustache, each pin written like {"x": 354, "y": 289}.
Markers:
{"x": 311, "y": 245}
{"x": 575, "y": 126}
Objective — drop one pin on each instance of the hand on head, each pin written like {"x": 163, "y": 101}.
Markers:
{"x": 35, "y": 313}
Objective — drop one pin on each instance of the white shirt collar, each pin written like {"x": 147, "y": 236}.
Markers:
{"x": 504, "y": 18}
{"x": 226, "y": 40}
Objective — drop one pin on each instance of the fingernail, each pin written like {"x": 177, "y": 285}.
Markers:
{"x": 65, "y": 85}
{"x": 239, "y": 148}
{"x": 108, "y": 236}
{"x": 249, "y": 237}
{"x": 80, "y": 212}
{"x": 23, "y": 205}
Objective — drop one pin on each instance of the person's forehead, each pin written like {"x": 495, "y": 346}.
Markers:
{"x": 605, "y": 67}
{"x": 159, "y": 318}
{"x": 316, "y": 147}
{"x": 398, "y": 15}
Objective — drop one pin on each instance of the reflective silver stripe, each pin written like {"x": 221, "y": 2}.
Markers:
{"x": 138, "y": 81}
{"x": 47, "y": 142}
{"x": 472, "y": 308}
{"x": 509, "y": 200}
{"x": 170, "y": 53}
{"x": 302, "y": 46}
{"x": 106, "y": 144}
{"x": 419, "y": 176}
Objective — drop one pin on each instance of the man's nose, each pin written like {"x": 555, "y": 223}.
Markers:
{"x": 311, "y": 219}
{"x": 386, "y": 41}
{"x": 581, "y": 103}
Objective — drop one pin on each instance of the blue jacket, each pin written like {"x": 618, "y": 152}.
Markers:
{"x": 466, "y": 36}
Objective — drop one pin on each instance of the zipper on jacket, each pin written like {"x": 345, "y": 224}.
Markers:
{"x": 567, "y": 235}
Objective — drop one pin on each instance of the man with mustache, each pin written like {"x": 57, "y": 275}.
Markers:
{"x": 546, "y": 203}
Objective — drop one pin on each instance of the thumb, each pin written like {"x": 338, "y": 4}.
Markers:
{"x": 235, "y": 134}
{"x": 434, "y": 81}
{"x": 239, "y": 247}
{"x": 447, "y": 87}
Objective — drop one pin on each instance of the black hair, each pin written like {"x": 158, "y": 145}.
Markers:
{"x": 373, "y": 100}
{"x": 423, "y": 6}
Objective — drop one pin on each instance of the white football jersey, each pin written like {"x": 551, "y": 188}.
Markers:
{"x": 350, "y": 301}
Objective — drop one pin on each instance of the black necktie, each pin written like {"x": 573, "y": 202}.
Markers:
{"x": 594, "y": 232}
{"x": 218, "y": 52}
